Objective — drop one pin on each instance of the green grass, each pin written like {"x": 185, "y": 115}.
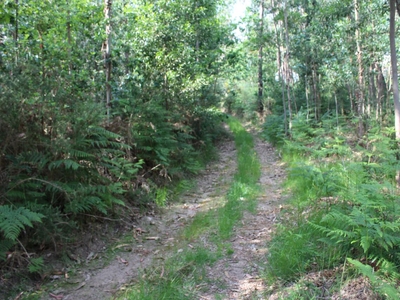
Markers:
{"x": 177, "y": 278}
{"x": 344, "y": 204}
{"x": 185, "y": 272}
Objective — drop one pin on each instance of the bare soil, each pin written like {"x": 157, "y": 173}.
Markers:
{"x": 149, "y": 240}
{"x": 234, "y": 277}
{"x": 238, "y": 276}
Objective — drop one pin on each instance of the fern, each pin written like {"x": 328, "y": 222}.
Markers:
{"x": 30, "y": 160}
{"x": 85, "y": 204}
{"x": 79, "y": 154}
{"x": 68, "y": 164}
{"x": 99, "y": 197}
{"x": 379, "y": 282}
{"x": 36, "y": 265}
{"x": 13, "y": 221}
{"x": 362, "y": 229}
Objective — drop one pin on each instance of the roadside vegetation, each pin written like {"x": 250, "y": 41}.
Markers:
{"x": 343, "y": 211}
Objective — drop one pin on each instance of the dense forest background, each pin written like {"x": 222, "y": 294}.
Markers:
{"x": 110, "y": 104}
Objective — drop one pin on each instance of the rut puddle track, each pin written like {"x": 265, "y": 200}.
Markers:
{"x": 152, "y": 238}
{"x": 238, "y": 276}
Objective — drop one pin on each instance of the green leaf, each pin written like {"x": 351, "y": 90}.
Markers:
{"x": 366, "y": 242}
{"x": 36, "y": 265}
{"x": 13, "y": 221}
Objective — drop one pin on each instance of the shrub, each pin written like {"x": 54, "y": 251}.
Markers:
{"x": 274, "y": 130}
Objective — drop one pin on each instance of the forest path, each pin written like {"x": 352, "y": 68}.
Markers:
{"x": 239, "y": 275}
{"x": 156, "y": 236}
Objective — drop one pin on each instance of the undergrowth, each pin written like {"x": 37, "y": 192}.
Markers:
{"x": 82, "y": 165}
{"x": 184, "y": 274}
{"x": 344, "y": 206}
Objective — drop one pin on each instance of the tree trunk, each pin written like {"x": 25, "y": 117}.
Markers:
{"x": 260, "y": 105}
{"x": 372, "y": 99}
{"x": 197, "y": 32}
{"x": 360, "y": 88}
{"x": 381, "y": 86}
{"x": 316, "y": 96}
{"x": 393, "y": 59}
{"x": 16, "y": 30}
{"x": 307, "y": 96}
{"x": 337, "y": 111}
{"x": 280, "y": 69}
{"x": 107, "y": 53}
{"x": 286, "y": 62}
{"x": 16, "y": 22}
{"x": 69, "y": 39}
{"x": 350, "y": 93}
{"x": 165, "y": 88}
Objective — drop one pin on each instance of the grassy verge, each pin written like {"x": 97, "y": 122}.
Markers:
{"x": 183, "y": 275}
{"x": 344, "y": 211}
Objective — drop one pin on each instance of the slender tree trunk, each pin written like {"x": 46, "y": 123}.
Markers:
{"x": 307, "y": 96}
{"x": 393, "y": 59}
{"x": 372, "y": 99}
{"x": 393, "y": 56}
{"x": 43, "y": 59}
{"x": 341, "y": 106}
{"x": 280, "y": 70}
{"x": 287, "y": 60}
{"x": 388, "y": 107}
{"x": 317, "y": 102}
{"x": 165, "y": 91}
{"x": 197, "y": 32}
{"x": 16, "y": 34}
{"x": 360, "y": 89}
{"x": 283, "y": 89}
{"x": 107, "y": 53}
{"x": 381, "y": 85}
{"x": 337, "y": 111}
{"x": 350, "y": 93}
{"x": 260, "y": 105}
{"x": 16, "y": 22}
{"x": 69, "y": 39}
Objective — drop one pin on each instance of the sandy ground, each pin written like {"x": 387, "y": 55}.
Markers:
{"x": 238, "y": 276}
{"x": 152, "y": 237}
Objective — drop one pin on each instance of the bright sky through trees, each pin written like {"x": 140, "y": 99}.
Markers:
{"x": 239, "y": 9}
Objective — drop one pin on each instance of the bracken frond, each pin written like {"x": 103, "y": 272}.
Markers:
{"x": 12, "y": 221}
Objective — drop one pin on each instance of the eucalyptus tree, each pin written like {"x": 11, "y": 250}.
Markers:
{"x": 260, "y": 58}
{"x": 338, "y": 50}
{"x": 360, "y": 87}
{"x": 393, "y": 57}
{"x": 107, "y": 52}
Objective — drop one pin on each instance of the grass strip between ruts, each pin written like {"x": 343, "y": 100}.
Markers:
{"x": 183, "y": 274}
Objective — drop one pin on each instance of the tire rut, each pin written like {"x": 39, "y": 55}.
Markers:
{"x": 238, "y": 276}
{"x": 151, "y": 238}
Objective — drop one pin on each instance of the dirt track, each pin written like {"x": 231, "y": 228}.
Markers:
{"x": 153, "y": 237}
